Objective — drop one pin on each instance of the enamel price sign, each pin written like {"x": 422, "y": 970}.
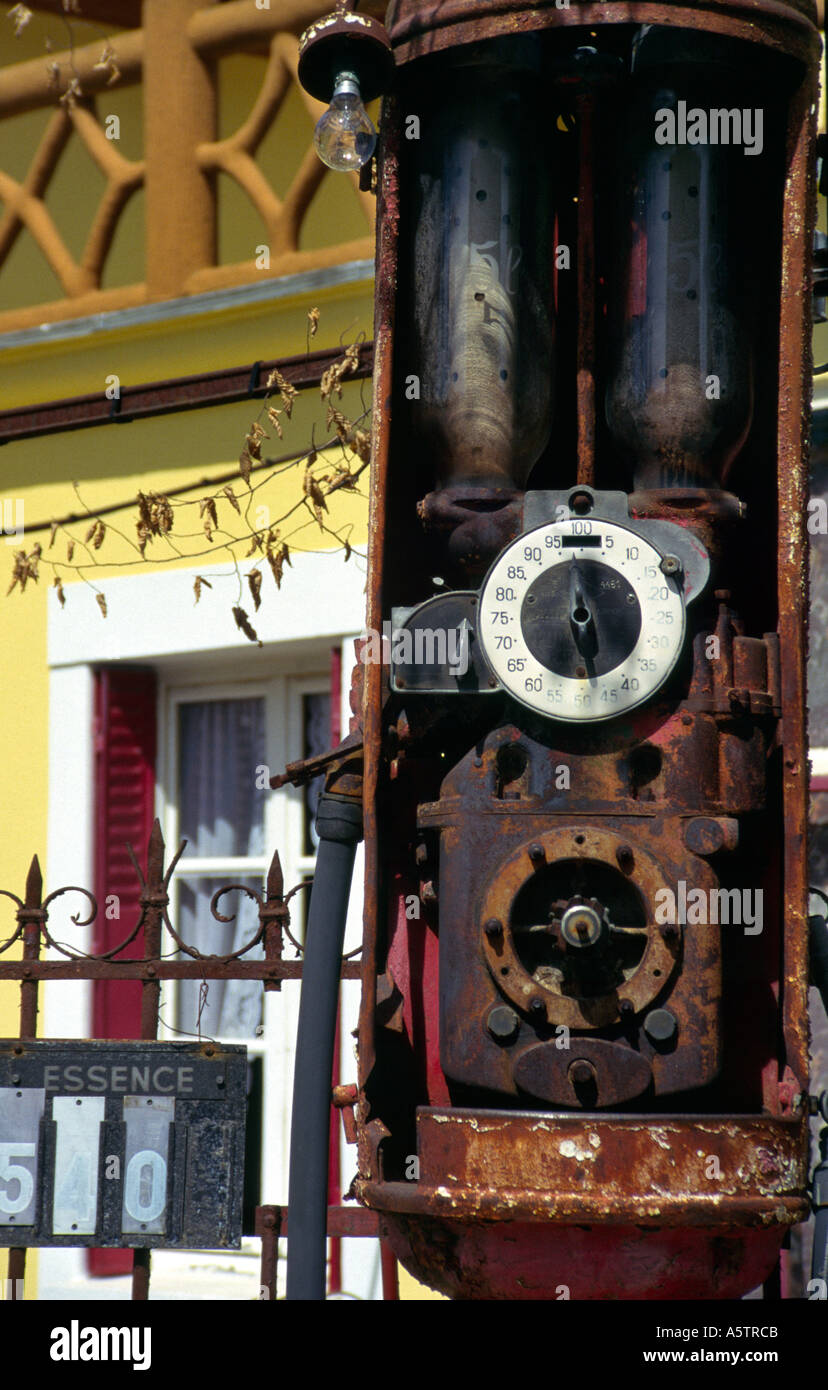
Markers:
{"x": 122, "y": 1144}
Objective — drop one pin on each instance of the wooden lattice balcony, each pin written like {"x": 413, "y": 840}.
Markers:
{"x": 187, "y": 163}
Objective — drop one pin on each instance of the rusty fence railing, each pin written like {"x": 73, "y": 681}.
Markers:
{"x": 152, "y": 963}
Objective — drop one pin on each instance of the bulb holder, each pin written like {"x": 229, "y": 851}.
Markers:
{"x": 345, "y": 43}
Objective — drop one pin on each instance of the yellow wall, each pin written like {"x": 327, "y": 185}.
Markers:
{"x": 77, "y": 184}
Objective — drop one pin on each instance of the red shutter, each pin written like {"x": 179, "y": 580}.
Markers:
{"x": 125, "y": 742}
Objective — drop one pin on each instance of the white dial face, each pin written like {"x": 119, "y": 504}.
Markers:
{"x": 578, "y": 620}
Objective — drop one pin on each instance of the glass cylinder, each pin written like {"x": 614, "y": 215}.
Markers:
{"x": 481, "y": 266}
{"x": 679, "y": 399}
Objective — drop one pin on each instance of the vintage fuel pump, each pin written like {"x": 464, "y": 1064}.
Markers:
{"x": 583, "y": 1044}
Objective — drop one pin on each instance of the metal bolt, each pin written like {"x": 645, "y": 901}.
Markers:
{"x": 660, "y": 1025}
{"x": 581, "y": 1072}
{"x": 581, "y": 926}
{"x": 502, "y": 1022}
{"x": 670, "y": 564}
{"x": 626, "y": 1007}
{"x": 537, "y": 854}
{"x": 493, "y": 928}
{"x": 537, "y": 1006}
{"x": 625, "y": 858}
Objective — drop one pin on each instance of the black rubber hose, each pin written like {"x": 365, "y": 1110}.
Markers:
{"x": 818, "y": 934}
{"x": 819, "y": 1257}
{"x": 339, "y": 825}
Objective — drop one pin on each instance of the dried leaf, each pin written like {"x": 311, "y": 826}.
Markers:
{"x": 231, "y": 498}
{"x": 254, "y": 581}
{"x": 90, "y": 533}
{"x": 273, "y": 417}
{"x": 145, "y": 510}
{"x": 208, "y": 530}
{"x": 361, "y": 445}
{"x": 315, "y": 495}
{"x": 61, "y": 595}
{"x": 245, "y": 464}
{"x": 277, "y": 559}
{"x": 52, "y": 533}
{"x": 313, "y": 317}
{"x": 98, "y": 538}
{"x": 20, "y": 571}
{"x": 287, "y": 392}
{"x": 106, "y": 63}
{"x": 53, "y": 71}
{"x": 207, "y": 506}
{"x": 20, "y": 16}
{"x": 163, "y": 514}
{"x": 347, "y": 550}
{"x": 101, "y": 602}
{"x": 72, "y": 93}
{"x": 199, "y": 581}
{"x": 70, "y": 550}
{"x": 243, "y": 623}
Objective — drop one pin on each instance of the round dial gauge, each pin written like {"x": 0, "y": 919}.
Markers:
{"x": 579, "y": 621}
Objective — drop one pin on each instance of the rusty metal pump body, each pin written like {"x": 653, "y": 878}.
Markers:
{"x": 572, "y": 1073}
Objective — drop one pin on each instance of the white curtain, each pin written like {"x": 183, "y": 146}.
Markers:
{"x": 221, "y": 744}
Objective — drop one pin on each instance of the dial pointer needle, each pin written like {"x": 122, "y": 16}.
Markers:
{"x": 580, "y": 614}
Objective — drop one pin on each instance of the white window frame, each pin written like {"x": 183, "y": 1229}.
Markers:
{"x": 284, "y": 826}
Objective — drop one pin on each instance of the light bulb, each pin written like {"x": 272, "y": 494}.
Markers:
{"x": 345, "y": 138}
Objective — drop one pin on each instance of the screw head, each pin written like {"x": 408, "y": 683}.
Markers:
{"x": 670, "y": 564}
{"x": 537, "y": 1007}
{"x": 625, "y": 857}
{"x": 537, "y": 854}
{"x": 626, "y": 1007}
{"x": 502, "y": 1022}
{"x": 581, "y": 926}
{"x": 581, "y": 1072}
{"x": 660, "y": 1025}
{"x": 493, "y": 928}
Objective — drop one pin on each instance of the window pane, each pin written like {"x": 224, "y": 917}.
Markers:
{"x": 316, "y": 736}
{"x": 232, "y": 1008}
{"x": 220, "y": 745}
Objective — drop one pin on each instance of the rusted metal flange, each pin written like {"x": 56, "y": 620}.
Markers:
{"x": 345, "y": 43}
